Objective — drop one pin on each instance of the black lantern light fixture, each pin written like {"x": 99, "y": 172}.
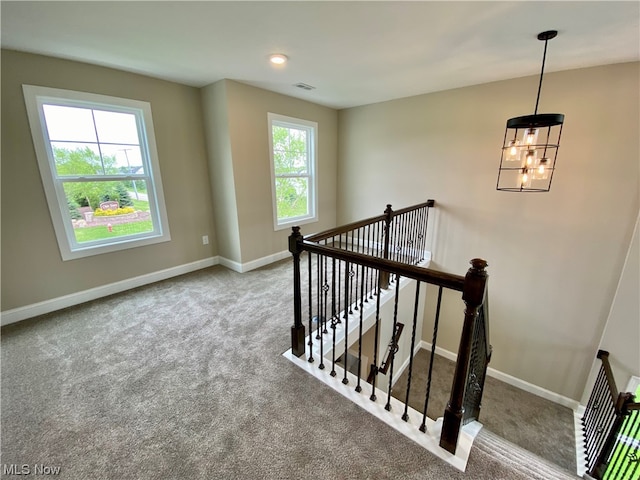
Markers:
{"x": 530, "y": 145}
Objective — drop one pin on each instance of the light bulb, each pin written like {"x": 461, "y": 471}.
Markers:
{"x": 542, "y": 170}
{"x": 530, "y": 136}
{"x": 513, "y": 152}
{"x": 530, "y": 158}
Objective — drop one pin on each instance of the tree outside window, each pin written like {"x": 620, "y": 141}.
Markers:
{"x": 293, "y": 153}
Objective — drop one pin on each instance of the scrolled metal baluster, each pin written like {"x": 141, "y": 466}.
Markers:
{"x": 319, "y": 296}
{"x": 375, "y": 346}
{"x": 394, "y": 345}
{"x": 322, "y": 321}
{"x": 334, "y": 324}
{"x": 339, "y": 277}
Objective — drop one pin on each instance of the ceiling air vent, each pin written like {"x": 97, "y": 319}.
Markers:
{"x": 304, "y": 86}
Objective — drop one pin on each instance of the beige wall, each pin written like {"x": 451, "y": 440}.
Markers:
{"x": 621, "y": 336}
{"x": 247, "y": 109}
{"x": 32, "y": 269}
{"x": 222, "y": 180}
{"x": 554, "y": 258}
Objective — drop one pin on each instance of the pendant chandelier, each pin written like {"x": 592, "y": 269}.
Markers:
{"x": 530, "y": 145}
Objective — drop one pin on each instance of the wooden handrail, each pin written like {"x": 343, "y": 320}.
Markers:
{"x": 427, "y": 275}
{"x": 317, "y": 237}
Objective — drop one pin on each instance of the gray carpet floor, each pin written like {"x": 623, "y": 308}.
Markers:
{"x": 184, "y": 379}
{"x": 531, "y": 422}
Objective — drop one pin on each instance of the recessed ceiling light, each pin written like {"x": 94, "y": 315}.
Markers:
{"x": 278, "y": 59}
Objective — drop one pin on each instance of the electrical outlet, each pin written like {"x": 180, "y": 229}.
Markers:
{"x": 205, "y": 239}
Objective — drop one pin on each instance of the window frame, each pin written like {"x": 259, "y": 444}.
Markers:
{"x": 312, "y": 151}
{"x": 35, "y": 97}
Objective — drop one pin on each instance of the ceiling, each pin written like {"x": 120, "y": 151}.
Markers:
{"x": 353, "y": 53}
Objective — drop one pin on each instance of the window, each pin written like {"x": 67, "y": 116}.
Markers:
{"x": 292, "y": 147}
{"x": 99, "y": 168}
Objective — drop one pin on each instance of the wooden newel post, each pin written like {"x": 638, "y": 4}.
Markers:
{"x": 384, "y": 276}
{"x": 297, "y": 330}
{"x": 473, "y": 291}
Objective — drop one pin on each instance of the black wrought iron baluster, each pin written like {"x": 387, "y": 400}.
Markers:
{"x": 365, "y": 286}
{"x": 322, "y": 323}
{"x": 601, "y": 445}
{"x": 394, "y": 344}
{"x": 334, "y": 316}
{"x": 631, "y": 454}
{"x": 434, "y": 339}
{"x": 621, "y": 461}
{"x": 376, "y": 283}
{"x": 593, "y": 405}
{"x": 416, "y": 235}
{"x": 347, "y": 278}
{"x": 419, "y": 235}
{"x": 605, "y": 405}
{"x": 405, "y": 237}
{"x": 360, "y": 250}
{"x": 374, "y": 367}
{"x": 319, "y": 297}
{"x": 362, "y": 295}
{"x": 588, "y": 412}
{"x": 425, "y": 231}
{"x": 326, "y": 303}
{"x": 411, "y": 228}
{"x": 602, "y": 423}
{"x": 351, "y": 273}
{"x": 310, "y": 268}
{"x": 393, "y": 239}
{"x": 405, "y": 415}
{"x": 339, "y": 277}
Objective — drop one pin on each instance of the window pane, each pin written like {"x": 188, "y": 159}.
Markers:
{"x": 69, "y": 123}
{"x": 128, "y": 159}
{"x": 80, "y": 159}
{"x": 106, "y": 210}
{"x": 289, "y": 150}
{"x": 116, "y": 127}
{"x": 292, "y": 197}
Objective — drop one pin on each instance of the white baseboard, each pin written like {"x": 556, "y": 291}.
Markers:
{"x": 40, "y": 308}
{"x": 511, "y": 380}
{"x": 252, "y": 265}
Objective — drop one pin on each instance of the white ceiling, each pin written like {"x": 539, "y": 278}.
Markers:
{"x": 354, "y": 53}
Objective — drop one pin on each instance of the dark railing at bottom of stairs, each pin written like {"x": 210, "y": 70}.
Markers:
{"x": 611, "y": 429}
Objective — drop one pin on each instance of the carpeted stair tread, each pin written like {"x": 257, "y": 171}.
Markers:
{"x": 519, "y": 459}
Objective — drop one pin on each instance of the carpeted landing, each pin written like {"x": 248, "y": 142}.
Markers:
{"x": 184, "y": 379}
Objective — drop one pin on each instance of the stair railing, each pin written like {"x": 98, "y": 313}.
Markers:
{"x": 611, "y": 429}
{"x": 348, "y": 267}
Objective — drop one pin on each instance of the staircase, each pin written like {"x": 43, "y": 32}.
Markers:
{"x": 521, "y": 460}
